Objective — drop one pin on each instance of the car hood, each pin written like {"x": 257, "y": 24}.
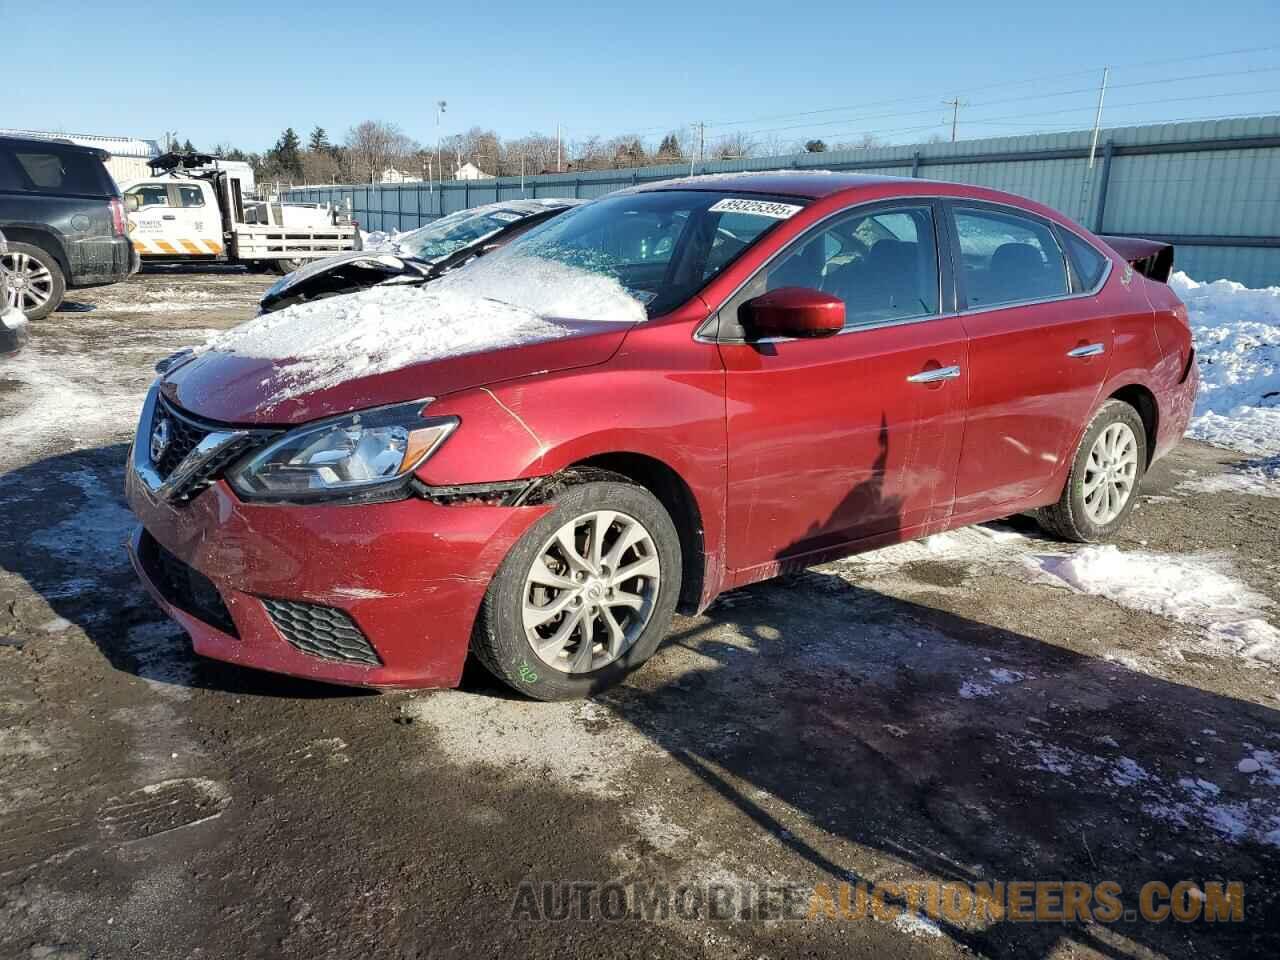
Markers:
{"x": 343, "y": 273}
{"x": 234, "y": 389}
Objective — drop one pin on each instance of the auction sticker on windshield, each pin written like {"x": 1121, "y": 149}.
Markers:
{"x": 762, "y": 208}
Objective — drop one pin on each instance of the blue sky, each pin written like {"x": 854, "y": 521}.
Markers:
{"x": 239, "y": 72}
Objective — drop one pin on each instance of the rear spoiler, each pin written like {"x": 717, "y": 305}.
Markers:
{"x": 1151, "y": 258}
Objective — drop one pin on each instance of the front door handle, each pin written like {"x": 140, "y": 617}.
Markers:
{"x": 169, "y": 216}
{"x": 1088, "y": 350}
{"x": 932, "y": 376}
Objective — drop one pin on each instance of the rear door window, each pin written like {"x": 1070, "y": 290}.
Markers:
{"x": 1007, "y": 257}
{"x": 72, "y": 172}
{"x": 190, "y": 197}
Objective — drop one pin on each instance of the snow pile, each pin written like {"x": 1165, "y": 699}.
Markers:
{"x": 379, "y": 239}
{"x": 1237, "y": 334}
{"x": 13, "y": 318}
{"x": 485, "y": 307}
{"x": 1190, "y": 590}
{"x": 1258, "y": 478}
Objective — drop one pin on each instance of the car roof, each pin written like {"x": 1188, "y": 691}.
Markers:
{"x": 810, "y": 184}
{"x": 58, "y": 144}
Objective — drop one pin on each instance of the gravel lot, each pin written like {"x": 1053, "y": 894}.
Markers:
{"x": 941, "y": 711}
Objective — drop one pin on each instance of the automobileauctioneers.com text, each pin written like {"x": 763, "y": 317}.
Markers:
{"x": 959, "y": 903}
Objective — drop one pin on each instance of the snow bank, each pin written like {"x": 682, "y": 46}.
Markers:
{"x": 1190, "y": 590}
{"x": 487, "y": 306}
{"x": 1237, "y": 333}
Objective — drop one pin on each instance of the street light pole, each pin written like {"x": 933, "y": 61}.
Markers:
{"x": 440, "y": 108}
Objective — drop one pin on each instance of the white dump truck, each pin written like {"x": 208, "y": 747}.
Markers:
{"x": 190, "y": 211}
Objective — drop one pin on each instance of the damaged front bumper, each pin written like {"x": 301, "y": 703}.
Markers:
{"x": 378, "y": 594}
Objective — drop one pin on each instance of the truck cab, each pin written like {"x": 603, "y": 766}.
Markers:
{"x": 192, "y": 210}
{"x": 174, "y": 218}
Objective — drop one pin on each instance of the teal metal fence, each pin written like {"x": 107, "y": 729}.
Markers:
{"x": 1210, "y": 187}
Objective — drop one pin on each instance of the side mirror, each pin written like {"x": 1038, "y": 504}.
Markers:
{"x": 794, "y": 312}
{"x": 133, "y": 201}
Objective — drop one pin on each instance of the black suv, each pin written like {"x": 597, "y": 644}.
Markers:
{"x": 64, "y": 220}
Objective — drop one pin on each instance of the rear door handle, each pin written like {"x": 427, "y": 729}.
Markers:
{"x": 169, "y": 216}
{"x": 1089, "y": 350}
{"x": 932, "y": 376}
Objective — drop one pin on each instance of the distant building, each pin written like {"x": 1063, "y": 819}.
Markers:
{"x": 469, "y": 171}
{"x": 392, "y": 175}
{"x": 129, "y": 155}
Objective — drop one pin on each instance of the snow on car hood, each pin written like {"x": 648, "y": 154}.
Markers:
{"x": 491, "y": 321}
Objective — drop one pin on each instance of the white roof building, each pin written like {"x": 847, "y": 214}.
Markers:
{"x": 469, "y": 171}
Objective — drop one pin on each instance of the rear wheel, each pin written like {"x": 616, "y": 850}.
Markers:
{"x": 585, "y": 596}
{"x": 31, "y": 280}
{"x": 1104, "y": 478}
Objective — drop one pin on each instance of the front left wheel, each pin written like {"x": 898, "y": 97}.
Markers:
{"x": 585, "y": 596}
{"x": 31, "y": 280}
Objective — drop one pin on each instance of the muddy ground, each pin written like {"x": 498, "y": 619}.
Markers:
{"x": 948, "y": 711}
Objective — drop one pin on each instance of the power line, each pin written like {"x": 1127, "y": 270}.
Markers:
{"x": 970, "y": 90}
{"x": 1019, "y": 99}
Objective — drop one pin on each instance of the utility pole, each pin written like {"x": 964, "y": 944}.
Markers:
{"x": 1097, "y": 120}
{"x": 559, "y": 168}
{"x": 699, "y": 156}
{"x": 955, "y": 106}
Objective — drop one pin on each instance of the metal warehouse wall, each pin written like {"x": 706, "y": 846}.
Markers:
{"x": 1211, "y": 187}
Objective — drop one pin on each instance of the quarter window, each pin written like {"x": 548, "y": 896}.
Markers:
{"x": 190, "y": 197}
{"x": 1089, "y": 264}
{"x": 883, "y": 264}
{"x": 1008, "y": 258}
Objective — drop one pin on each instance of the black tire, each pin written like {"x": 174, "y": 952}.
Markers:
{"x": 499, "y": 640}
{"x": 1068, "y": 518}
{"x": 57, "y": 281}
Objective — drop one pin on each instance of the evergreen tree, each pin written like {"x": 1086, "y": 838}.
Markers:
{"x": 188, "y": 147}
{"x": 285, "y": 154}
{"x": 319, "y": 141}
{"x": 816, "y": 146}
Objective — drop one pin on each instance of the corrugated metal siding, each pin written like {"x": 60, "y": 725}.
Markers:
{"x": 1219, "y": 193}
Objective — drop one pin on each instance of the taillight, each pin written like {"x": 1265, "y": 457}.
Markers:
{"x": 118, "y": 224}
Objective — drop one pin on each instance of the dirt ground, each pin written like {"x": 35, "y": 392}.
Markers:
{"x": 947, "y": 711}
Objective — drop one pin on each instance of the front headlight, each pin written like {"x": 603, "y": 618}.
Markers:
{"x": 360, "y": 456}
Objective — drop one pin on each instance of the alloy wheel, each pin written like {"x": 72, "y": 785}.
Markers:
{"x": 590, "y": 591}
{"x": 1110, "y": 473}
{"x": 25, "y": 282}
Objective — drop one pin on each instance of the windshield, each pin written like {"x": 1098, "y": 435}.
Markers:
{"x": 661, "y": 246}
{"x": 449, "y": 234}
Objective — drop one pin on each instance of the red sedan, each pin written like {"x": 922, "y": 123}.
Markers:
{"x": 667, "y": 393}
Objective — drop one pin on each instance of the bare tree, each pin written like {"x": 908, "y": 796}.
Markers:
{"x": 864, "y": 142}
{"x": 537, "y": 150}
{"x": 373, "y": 146}
{"x": 733, "y": 146}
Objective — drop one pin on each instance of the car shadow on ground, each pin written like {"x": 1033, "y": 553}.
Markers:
{"x": 63, "y": 528}
{"x": 849, "y": 726}
{"x": 966, "y": 752}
